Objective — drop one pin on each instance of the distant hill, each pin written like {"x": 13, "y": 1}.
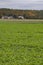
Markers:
{"x": 28, "y": 14}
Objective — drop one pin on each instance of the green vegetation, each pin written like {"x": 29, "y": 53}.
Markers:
{"x": 21, "y": 43}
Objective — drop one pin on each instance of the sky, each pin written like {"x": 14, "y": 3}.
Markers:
{"x": 22, "y": 4}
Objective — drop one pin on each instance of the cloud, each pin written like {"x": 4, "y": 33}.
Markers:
{"x": 21, "y": 4}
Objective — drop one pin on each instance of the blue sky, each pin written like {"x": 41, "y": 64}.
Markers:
{"x": 22, "y": 4}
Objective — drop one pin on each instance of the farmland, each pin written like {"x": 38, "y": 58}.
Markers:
{"x": 21, "y": 43}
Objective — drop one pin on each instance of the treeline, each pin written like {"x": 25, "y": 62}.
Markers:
{"x": 27, "y": 14}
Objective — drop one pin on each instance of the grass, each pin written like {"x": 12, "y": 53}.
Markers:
{"x": 21, "y": 43}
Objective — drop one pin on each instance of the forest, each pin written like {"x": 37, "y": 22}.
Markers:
{"x": 27, "y": 14}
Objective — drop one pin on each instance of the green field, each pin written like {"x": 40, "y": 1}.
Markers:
{"x": 21, "y": 43}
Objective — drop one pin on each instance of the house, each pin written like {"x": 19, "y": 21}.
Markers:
{"x": 7, "y": 17}
{"x": 20, "y": 17}
{"x": 4, "y": 17}
{"x": 10, "y": 17}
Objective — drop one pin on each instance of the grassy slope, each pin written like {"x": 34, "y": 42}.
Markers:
{"x": 21, "y": 43}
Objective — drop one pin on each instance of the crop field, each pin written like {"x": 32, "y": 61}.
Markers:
{"x": 21, "y": 43}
